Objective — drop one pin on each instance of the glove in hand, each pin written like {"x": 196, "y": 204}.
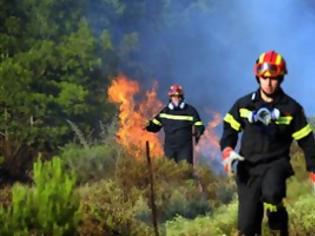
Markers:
{"x": 229, "y": 157}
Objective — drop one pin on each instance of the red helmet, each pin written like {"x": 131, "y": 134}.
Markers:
{"x": 176, "y": 90}
{"x": 270, "y": 64}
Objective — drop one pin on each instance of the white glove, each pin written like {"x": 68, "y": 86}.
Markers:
{"x": 230, "y": 157}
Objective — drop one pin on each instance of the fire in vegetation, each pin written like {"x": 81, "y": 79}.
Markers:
{"x": 134, "y": 114}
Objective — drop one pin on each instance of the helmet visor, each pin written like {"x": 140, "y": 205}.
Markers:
{"x": 267, "y": 70}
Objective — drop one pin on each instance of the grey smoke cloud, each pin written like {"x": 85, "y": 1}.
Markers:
{"x": 212, "y": 52}
{"x": 210, "y": 46}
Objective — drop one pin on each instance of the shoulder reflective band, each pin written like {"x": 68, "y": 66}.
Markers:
{"x": 284, "y": 120}
{"x": 234, "y": 124}
{"x": 245, "y": 113}
{"x": 302, "y": 132}
{"x": 198, "y": 123}
{"x": 176, "y": 117}
{"x": 155, "y": 121}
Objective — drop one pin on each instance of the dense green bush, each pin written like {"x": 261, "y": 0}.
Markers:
{"x": 186, "y": 200}
{"x": 302, "y": 215}
{"x": 49, "y": 207}
{"x": 177, "y": 189}
{"x": 121, "y": 204}
{"x": 110, "y": 210}
{"x": 300, "y": 200}
{"x": 115, "y": 197}
{"x": 221, "y": 222}
{"x": 92, "y": 163}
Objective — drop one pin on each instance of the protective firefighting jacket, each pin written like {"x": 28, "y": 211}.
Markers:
{"x": 177, "y": 123}
{"x": 261, "y": 141}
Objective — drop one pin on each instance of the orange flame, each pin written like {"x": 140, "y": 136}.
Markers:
{"x": 209, "y": 142}
{"x": 133, "y": 117}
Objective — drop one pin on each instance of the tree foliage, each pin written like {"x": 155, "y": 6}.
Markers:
{"x": 50, "y": 72}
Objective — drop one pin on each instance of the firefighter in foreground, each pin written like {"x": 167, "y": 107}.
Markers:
{"x": 270, "y": 120}
{"x": 178, "y": 120}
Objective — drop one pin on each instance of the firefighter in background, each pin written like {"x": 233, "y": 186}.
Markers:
{"x": 178, "y": 119}
{"x": 269, "y": 120}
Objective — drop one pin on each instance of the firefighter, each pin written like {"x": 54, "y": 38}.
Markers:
{"x": 269, "y": 121}
{"x": 178, "y": 119}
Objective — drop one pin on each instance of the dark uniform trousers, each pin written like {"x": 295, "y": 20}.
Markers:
{"x": 259, "y": 186}
{"x": 181, "y": 153}
{"x": 178, "y": 126}
{"x": 265, "y": 144}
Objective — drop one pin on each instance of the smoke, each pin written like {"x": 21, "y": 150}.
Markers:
{"x": 210, "y": 47}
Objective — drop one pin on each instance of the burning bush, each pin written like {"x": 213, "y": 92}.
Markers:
{"x": 134, "y": 115}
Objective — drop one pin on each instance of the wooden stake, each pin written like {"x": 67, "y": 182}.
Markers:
{"x": 152, "y": 193}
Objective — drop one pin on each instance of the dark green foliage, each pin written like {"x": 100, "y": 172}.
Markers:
{"x": 49, "y": 72}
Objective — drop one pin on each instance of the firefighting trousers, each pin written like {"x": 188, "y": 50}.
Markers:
{"x": 180, "y": 153}
{"x": 265, "y": 184}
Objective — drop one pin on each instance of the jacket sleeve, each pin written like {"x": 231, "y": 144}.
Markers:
{"x": 155, "y": 124}
{"x": 231, "y": 128}
{"x": 198, "y": 124}
{"x": 302, "y": 132}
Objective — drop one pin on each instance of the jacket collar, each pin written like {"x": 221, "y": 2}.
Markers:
{"x": 278, "y": 97}
{"x": 180, "y": 107}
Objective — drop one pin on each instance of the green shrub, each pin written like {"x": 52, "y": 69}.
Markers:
{"x": 92, "y": 163}
{"x": 49, "y": 207}
{"x": 109, "y": 210}
{"x": 302, "y": 215}
{"x": 221, "y": 222}
{"x": 177, "y": 191}
{"x": 186, "y": 200}
{"x": 120, "y": 205}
